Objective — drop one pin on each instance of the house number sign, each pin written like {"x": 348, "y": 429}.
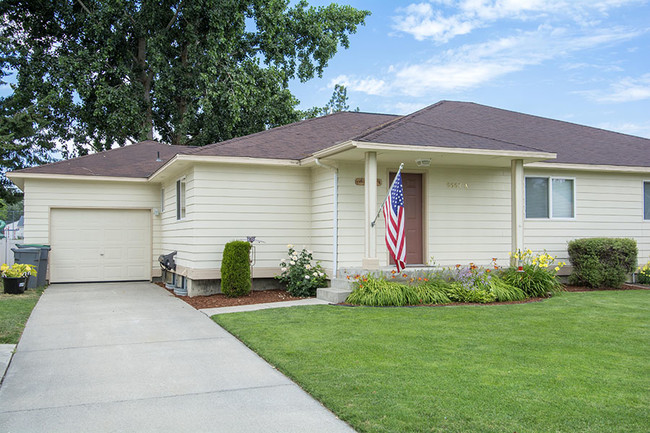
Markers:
{"x": 362, "y": 181}
{"x": 457, "y": 185}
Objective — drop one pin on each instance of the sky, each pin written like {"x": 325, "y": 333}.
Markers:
{"x": 581, "y": 61}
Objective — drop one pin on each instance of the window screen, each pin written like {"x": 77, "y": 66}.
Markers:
{"x": 562, "y": 192}
{"x": 537, "y": 197}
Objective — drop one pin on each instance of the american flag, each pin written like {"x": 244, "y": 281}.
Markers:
{"x": 394, "y": 217}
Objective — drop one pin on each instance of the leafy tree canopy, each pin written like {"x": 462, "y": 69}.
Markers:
{"x": 188, "y": 72}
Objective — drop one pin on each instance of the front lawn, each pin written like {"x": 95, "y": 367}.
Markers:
{"x": 577, "y": 362}
{"x": 14, "y": 312}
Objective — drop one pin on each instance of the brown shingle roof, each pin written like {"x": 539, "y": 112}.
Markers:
{"x": 299, "y": 140}
{"x": 136, "y": 160}
{"x": 470, "y": 125}
{"x": 445, "y": 124}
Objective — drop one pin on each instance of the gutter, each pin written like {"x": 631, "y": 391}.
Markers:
{"x": 335, "y": 216}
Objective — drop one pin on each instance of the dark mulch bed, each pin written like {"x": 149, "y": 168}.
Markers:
{"x": 266, "y": 296}
{"x": 220, "y": 300}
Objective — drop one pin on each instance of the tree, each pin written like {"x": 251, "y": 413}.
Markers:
{"x": 21, "y": 143}
{"x": 188, "y": 72}
{"x": 338, "y": 102}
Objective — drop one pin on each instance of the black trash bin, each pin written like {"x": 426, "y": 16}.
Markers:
{"x": 41, "y": 269}
{"x": 29, "y": 256}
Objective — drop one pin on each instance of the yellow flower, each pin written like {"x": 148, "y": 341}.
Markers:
{"x": 557, "y": 268}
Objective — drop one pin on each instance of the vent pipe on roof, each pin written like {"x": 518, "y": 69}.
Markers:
{"x": 335, "y": 216}
{"x": 158, "y": 158}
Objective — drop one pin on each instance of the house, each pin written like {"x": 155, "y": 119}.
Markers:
{"x": 479, "y": 182}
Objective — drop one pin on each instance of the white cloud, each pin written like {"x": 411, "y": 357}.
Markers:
{"x": 628, "y": 89}
{"x": 472, "y": 65}
{"x": 369, "y": 85}
{"x": 422, "y": 23}
{"x": 428, "y": 20}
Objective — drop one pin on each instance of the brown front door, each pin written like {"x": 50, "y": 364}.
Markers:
{"x": 412, "y": 186}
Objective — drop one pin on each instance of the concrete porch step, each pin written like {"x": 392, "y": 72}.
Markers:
{"x": 335, "y": 296}
{"x": 337, "y": 292}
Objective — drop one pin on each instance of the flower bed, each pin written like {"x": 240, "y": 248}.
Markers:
{"x": 533, "y": 276}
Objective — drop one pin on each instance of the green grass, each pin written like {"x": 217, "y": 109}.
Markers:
{"x": 14, "y": 312}
{"x": 578, "y": 362}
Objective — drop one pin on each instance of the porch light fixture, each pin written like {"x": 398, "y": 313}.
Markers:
{"x": 423, "y": 162}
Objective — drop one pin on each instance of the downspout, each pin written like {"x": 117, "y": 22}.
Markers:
{"x": 335, "y": 216}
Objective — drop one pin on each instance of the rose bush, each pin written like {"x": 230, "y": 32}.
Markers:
{"x": 300, "y": 274}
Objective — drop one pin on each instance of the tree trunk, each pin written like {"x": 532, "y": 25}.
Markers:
{"x": 146, "y": 78}
{"x": 181, "y": 102}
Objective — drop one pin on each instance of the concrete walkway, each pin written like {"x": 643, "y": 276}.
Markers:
{"x": 130, "y": 357}
{"x": 254, "y": 307}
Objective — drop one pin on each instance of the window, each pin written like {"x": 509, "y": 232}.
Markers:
{"x": 180, "y": 199}
{"x": 550, "y": 197}
{"x": 646, "y": 200}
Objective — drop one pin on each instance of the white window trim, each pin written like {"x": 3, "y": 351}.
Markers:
{"x": 550, "y": 199}
{"x": 645, "y": 206}
{"x": 181, "y": 202}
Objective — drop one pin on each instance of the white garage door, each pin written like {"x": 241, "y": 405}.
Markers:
{"x": 100, "y": 245}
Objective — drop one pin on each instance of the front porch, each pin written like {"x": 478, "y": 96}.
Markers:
{"x": 469, "y": 204}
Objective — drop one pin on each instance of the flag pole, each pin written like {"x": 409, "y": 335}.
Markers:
{"x": 372, "y": 224}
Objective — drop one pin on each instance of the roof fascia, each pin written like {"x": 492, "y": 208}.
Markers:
{"x": 178, "y": 158}
{"x": 332, "y": 150}
{"x": 589, "y": 167}
{"x": 19, "y": 178}
{"x": 459, "y": 151}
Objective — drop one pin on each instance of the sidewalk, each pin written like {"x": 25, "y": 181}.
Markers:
{"x": 131, "y": 357}
{"x": 254, "y": 307}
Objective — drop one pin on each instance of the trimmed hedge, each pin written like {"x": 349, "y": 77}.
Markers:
{"x": 602, "y": 262}
{"x": 235, "y": 269}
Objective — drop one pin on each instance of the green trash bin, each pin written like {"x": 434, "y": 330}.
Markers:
{"x": 28, "y": 256}
{"x": 41, "y": 269}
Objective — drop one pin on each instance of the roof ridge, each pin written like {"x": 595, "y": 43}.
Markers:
{"x": 394, "y": 123}
{"x": 282, "y": 127}
{"x": 483, "y": 136}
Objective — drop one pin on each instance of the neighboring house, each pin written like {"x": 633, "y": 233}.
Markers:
{"x": 479, "y": 182}
{"x": 15, "y": 230}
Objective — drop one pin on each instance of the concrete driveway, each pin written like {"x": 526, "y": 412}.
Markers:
{"x": 117, "y": 357}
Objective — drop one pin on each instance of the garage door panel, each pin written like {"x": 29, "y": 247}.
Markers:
{"x": 100, "y": 245}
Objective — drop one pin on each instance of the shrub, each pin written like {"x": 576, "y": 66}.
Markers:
{"x": 301, "y": 276}
{"x": 504, "y": 292}
{"x": 644, "y": 273}
{"x": 369, "y": 290}
{"x": 459, "y": 293}
{"x": 482, "y": 285}
{"x": 602, "y": 262}
{"x": 235, "y": 269}
{"x": 373, "y": 291}
{"x": 433, "y": 292}
{"x": 536, "y": 275}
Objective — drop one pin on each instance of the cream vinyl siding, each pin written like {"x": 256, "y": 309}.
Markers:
{"x": 352, "y": 214}
{"x": 607, "y": 205}
{"x": 178, "y": 235}
{"x": 43, "y": 195}
{"x": 322, "y": 199}
{"x": 228, "y": 202}
{"x": 468, "y": 215}
{"x": 461, "y": 225}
